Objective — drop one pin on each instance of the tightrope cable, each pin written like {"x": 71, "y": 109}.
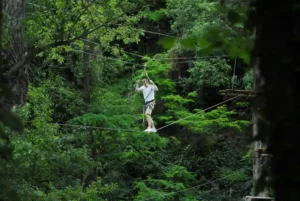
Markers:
{"x": 198, "y": 112}
{"x": 131, "y": 130}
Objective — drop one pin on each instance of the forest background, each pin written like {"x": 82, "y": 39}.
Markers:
{"x": 71, "y": 67}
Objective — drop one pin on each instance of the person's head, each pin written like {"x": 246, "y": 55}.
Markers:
{"x": 145, "y": 82}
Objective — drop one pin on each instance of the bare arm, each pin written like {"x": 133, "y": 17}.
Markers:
{"x": 137, "y": 87}
{"x": 155, "y": 87}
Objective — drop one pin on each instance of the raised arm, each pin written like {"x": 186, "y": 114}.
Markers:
{"x": 154, "y": 85}
{"x": 137, "y": 87}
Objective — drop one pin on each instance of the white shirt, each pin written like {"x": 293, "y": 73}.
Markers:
{"x": 148, "y": 92}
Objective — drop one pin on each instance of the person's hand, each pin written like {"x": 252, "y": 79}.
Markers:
{"x": 137, "y": 81}
{"x": 151, "y": 82}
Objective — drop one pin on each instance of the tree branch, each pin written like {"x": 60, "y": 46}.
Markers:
{"x": 79, "y": 16}
{"x": 36, "y": 51}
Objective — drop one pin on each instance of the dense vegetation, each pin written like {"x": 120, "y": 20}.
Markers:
{"x": 82, "y": 136}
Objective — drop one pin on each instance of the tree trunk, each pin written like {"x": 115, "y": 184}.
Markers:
{"x": 1, "y": 28}
{"x": 15, "y": 52}
{"x": 88, "y": 47}
{"x": 86, "y": 68}
{"x": 277, "y": 48}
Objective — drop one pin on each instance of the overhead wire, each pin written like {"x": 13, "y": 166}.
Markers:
{"x": 116, "y": 59}
{"x": 198, "y": 112}
{"x": 163, "y": 58}
{"x": 130, "y": 130}
{"x": 161, "y": 34}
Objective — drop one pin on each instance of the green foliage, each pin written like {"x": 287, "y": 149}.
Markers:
{"x": 233, "y": 176}
{"x": 174, "y": 186}
{"x": 9, "y": 123}
{"x": 167, "y": 42}
{"x": 208, "y": 27}
{"x": 158, "y": 70}
{"x": 156, "y": 15}
{"x": 242, "y": 104}
{"x": 248, "y": 80}
{"x": 79, "y": 148}
{"x": 201, "y": 122}
{"x": 209, "y": 73}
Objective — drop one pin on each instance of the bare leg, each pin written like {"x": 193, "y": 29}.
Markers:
{"x": 150, "y": 122}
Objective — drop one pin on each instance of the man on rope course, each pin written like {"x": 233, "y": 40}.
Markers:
{"x": 148, "y": 92}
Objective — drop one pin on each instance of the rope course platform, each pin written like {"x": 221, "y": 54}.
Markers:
{"x": 260, "y": 150}
{"x": 235, "y": 92}
{"x": 256, "y": 198}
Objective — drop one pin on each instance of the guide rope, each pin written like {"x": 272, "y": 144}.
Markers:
{"x": 131, "y": 130}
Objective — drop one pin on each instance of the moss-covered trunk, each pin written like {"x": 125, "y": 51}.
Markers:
{"x": 15, "y": 51}
{"x": 278, "y": 84}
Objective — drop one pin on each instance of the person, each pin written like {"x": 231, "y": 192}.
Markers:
{"x": 149, "y": 98}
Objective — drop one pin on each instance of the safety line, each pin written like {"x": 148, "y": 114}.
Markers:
{"x": 157, "y": 33}
{"x": 198, "y": 112}
{"x": 116, "y": 59}
{"x": 210, "y": 182}
{"x": 127, "y": 62}
{"x": 111, "y": 58}
{"x": 96, "y": 127}
{"x": 130, "y": 130}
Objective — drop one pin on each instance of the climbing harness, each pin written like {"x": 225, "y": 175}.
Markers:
{"x": 147, "y": 103}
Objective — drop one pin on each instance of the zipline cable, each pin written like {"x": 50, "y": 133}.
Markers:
{"x": 130, "y": 130}
{"x": 198, "y": 112}
{"x": 125, "y": 62}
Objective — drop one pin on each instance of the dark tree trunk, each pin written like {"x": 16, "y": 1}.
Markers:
{"x": 277, "y": 50}
{"x": 15, "y": 10}
{"x": 88, "y": 48}
{"x": 86, "y": 68}
{"x": 1, "y": 28}
{"x": 15, "y": 52}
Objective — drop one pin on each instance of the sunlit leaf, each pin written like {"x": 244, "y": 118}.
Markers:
{"x": 234, "y": 51}
{"x": 245, "y": 56}
{"x": 203, "y": 43}
{"x": 188, "y": 43}
{"x": 167, "y": 42}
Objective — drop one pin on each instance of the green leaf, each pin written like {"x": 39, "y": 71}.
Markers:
{"x": 167, "y": 42}
{"x": 222, "y": 9}
{"x": 234, "y": 51}
{"x": 188, "y": 43}
{"x": 203, "y": 43}
{"x": 233, "y": 16}
{"x": 246, "y": 57}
